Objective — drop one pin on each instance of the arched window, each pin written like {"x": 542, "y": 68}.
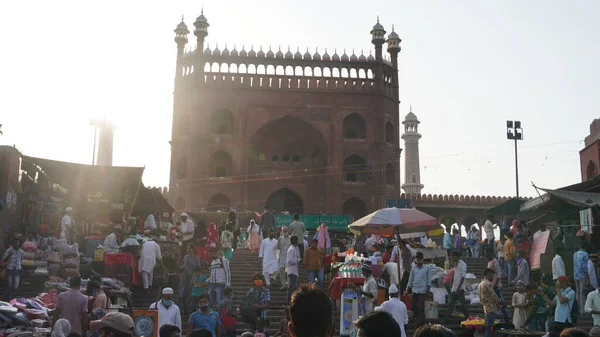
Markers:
{"x": 592, "y": 171}
{"x": 355, "y": 169}
{"x": 355, "y": 127}
{"x": 221, "y": 164}
{"x": 182, "y": 164}
{"x": 221, "y": 122}
{"x": 219, "y": 202}
{"x": 390, "y": 174}
{"x": 389, "y": 132}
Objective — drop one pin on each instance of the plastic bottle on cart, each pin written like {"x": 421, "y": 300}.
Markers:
{"x": 343, "y": 271}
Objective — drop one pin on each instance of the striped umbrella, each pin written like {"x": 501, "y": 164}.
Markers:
{"x": 390, "y": 221}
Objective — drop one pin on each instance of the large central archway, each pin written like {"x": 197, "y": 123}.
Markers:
{"x": 285, "y": 143}
{"x": 285, "y": 199}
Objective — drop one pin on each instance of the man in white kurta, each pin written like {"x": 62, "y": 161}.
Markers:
{"x": 396, "y": 308}
{"x": 149, "y": 255}
{"x": 168, "y": 312}
{"x": 187, "y": 227}
{"x": 268, "y": 255}
{"x": 283, "y": 244}
{"x": 65, "y": 222}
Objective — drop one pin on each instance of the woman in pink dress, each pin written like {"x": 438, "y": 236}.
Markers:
{"x": 212, "y": 236}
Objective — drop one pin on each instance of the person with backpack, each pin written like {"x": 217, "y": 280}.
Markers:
{"x": 565, "y": 313}
{"x": 228, "y": 313}
{"x": 256, "y": 302}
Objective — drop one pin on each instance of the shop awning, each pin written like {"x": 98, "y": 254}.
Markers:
{"x": 117, "y": 184}
{"x": 562, "y": 198}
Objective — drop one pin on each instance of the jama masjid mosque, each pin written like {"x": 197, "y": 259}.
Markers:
{"x": 299, "y": 131}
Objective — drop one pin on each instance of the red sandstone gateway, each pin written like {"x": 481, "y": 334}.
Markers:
{"x": 305, "y": 132}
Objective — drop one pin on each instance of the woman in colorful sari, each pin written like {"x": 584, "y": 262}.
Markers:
{"x": 212, "y": 236}
{"x": 253, "y": 232}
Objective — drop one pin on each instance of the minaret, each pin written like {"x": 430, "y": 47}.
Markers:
{"x": 378, "y": 39}
{"x": 412, "y": 178}
{"x": 181, "y": 39}
{"x": 393, "y": 43}
{"x": 201, "y": 31}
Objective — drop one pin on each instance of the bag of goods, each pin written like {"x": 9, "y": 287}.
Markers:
{"x": 70, "y": 272}
{"x": 39, "y": 323}
{"x": 71, "y": 262}
{"x": 54, "y": 257}
{"x": 70, "y": 250}
{"x": 29, "y": 246}
{"x": 35, "y": 314}
{"x": 28, "y": 255}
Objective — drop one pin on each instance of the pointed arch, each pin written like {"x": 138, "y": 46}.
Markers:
{"x": 355, "y": 169}
{"x": 355, "y": 127}
{"x": 592, "y": 170}
{"x": 317, "y": 72}
{"x": 221, "y": 122}
{"x": 224, "y": 68}
{"x": 345, "y": 73}
{"x": 389, "y": 133}
{"x": 221, "y": 164}
{"x": 335, "y": 72}
{"x": 353, "y": 73}
{"x": 370, "y": 74}
{"x": 261, "y": 70}
{"x": 280, "y": 70}
{"x": 285, "y": 200}
{"x": 362, "y": 73}
{"x": 233, "y": 68}
{"x": 215, "y": 68}
{"x": 218, "y": 202}
{"x": 308, "y": 71}
{"x": 298, "y": 71}
{"x": 251, "y": 69}
{"x": 289, "y": 71}
{"x": 326, "y": 72}
{"x": 243, "y": 69}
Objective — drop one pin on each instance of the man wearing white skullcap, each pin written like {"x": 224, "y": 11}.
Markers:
{"x": 168, "y": 312}
{"x": 396, "y": 308}
{"x": 65, "y": 223}
{"x": 187, "y": 229}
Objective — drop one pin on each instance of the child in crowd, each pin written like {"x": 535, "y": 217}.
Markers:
{"x": 520, "y": 304}
{"x": 261, "y": 327}
{"x": 228, "y": 313}
{"x": 500, "y": 254}
{"x": 536, "y": 308}
{"x": 284, "y": 330}
{"x": 198, "y": 283}
{"x": 227, "y": 242}
{"x": 191, "y": 261}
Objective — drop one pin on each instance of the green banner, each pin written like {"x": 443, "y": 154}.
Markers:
{"x": 312, "y": 221}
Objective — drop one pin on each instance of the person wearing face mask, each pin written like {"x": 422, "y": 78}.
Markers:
{"x": 205, "y": 318}
{"x": 268, "y": 256}
{"x": 168, "y": 312}
{"x": 283, "y": 245}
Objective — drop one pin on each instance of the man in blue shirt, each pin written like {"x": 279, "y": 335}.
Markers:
{"x": 580, "y": 271}
{"x": 564, "y": 301}
{"x": 205, "y": 318}
{"x": 419, "y": 283}
{"x": 448, "y": 240}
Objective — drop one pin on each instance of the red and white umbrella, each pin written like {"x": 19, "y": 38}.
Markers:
{"x": 390, "y": 221}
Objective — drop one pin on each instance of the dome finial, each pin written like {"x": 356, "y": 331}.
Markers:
{"x": 202, "y": 13}
{"x": 181, "y": 17}
{"x": 378, "y": 18}
{"x": 410, "y": 108}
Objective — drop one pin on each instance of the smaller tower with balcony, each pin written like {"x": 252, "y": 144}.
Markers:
{"x": 412, "y": 170}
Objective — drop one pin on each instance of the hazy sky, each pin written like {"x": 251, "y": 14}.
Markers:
{"x": 465, "y": 67}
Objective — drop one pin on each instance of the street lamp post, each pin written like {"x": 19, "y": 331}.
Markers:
{"x": 515, "y": 132}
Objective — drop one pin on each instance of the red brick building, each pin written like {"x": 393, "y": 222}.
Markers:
{"x": 303, "y": 132}
{"x": 589, "y": 157}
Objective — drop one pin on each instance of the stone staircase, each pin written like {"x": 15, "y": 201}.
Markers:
{"x": 245, "y": 263}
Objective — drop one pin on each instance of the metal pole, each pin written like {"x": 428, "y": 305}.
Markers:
{"x": 516, "y": 166}
{"x": 94, "y": 151}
